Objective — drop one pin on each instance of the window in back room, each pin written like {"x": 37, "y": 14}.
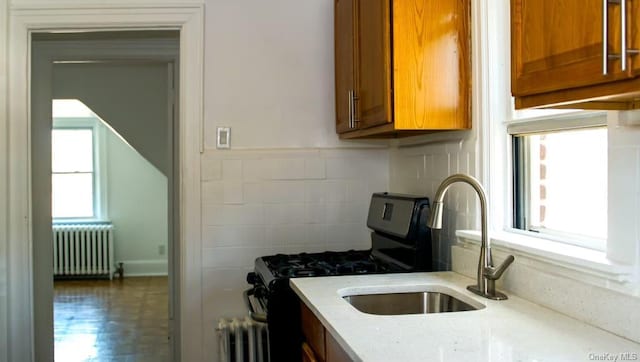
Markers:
{"x": 72, "y": 173}
{"x": 73, "y": 161}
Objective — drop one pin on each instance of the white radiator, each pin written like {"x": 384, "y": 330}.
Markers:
{"x": 243, "y": 340}
{"x": 83, "y": 250}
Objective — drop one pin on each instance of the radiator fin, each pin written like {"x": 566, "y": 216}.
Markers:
{"x": 243, "y": 340}
{"x": 83, "y": 250}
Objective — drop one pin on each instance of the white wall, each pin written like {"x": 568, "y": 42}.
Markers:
{"x": 137, "y": 207}
{"x": 269, "y": 73}
{"x": 131, "y": 96}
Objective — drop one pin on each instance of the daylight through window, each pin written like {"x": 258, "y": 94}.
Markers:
{"x": 73, "y": 173}
{"x": 561, "y": 185}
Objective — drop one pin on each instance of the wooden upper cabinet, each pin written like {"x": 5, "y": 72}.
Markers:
{"x": 373, "y": 79}
{"x": 344, "y": 17}
{"x": 410, "y": 66}
{"x": 568, "y": 53}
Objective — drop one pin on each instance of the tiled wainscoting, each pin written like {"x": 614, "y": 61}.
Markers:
{"x": 420, "y": 168}
{"x": 262, "y": 202}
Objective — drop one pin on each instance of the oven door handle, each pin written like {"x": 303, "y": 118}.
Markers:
{"x": 258, "y": 317}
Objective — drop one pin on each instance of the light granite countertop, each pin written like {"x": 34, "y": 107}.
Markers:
{"x": 511, "y": 330}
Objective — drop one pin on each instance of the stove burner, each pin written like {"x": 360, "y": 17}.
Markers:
{"x": 326, "y": 263}
{"x": 358, "y": 267}
{"x": 300, "y": 272}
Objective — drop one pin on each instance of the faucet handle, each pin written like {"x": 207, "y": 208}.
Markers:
{"x": 494, "y": 273}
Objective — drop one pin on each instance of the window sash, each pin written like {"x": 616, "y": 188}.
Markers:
{"x": 80, "y": 171}
{"x": 557, "y": 122}
{"x": 83, "y": 190}
{"x": 522, "y": 181}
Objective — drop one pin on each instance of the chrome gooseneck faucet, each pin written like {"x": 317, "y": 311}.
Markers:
{"x": 487, "y": 273}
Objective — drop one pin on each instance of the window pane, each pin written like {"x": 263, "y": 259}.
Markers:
{"x": 564, "y": 184}
{"x": 72, "y": 150}
{"x": 72, "y": 195}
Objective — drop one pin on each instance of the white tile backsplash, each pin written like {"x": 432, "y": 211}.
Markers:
{"x": 253, "y": 192}
{"x": 315, "y": 213}
{"x": 262, "y": 202}
{"x": 247, "y": 214}
{"x": 231, "y": 169}
{"x": 421, "y": 167}
{"x": 336, "y": 190}
{"x": 315, "y": 168}
{"x": 212, "y": 192}
{"x": 284, "y": 192}
{"x": 255, "y": 170}
{"x": 315, "y": 191}
{"x": 232, "y": 257}
{"x": 233, "y": 193}
{"x": 285, "y": 213}
{"x": 233, "y": 235}
{"x": 287, "y": 168}
{"x": 286, "y": 235}
{"x": 211, "y": 169}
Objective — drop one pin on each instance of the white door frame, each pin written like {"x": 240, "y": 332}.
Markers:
{"x": 189, "y": 20}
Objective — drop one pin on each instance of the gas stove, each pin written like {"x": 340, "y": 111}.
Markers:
{"x": 400, "y": 240}
{"x": 281, "y": 266}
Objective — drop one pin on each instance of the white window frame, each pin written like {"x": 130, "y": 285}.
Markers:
{"x": 494, "y": 111}
{"x": 100, "y": 200}
{"x": 553, "y": 121}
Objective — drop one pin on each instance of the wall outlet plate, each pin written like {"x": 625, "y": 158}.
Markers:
{"x": 223, "y": 137}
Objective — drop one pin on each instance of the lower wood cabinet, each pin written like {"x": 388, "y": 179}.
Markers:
{"x": 319, "y": 345}
{"x": 307, "y": 353}
{"x": 333, "y": 351}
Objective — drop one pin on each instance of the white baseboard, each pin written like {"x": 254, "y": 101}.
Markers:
{"x": 139, "y": 268}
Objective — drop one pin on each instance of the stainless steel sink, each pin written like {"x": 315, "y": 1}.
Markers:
{"x": 408, "y": 303}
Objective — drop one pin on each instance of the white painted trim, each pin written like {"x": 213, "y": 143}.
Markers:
{"x": 141, "y": 268}
{"x": 4, "y": 189}
{"x": 558, "y": 122}
{"x": 189, "y": 19}
{"x": 581, "y": 260}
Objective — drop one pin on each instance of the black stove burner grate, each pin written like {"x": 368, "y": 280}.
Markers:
{"x": 321, "y": 264}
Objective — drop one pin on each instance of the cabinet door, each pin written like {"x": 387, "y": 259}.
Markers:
{"x": 432, "y": 64}
{"x": 335, "y": 353}
{"x": 313, "y": 331}
{"x": 633, "y": 35}
{"x": 558, "y": 45}
{"x": 344, "y": 12}
{"x": 373, "y": 63}
{"x": 307, "y": 353}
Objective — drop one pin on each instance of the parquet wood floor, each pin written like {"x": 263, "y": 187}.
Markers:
{"x": 120, "y": 320}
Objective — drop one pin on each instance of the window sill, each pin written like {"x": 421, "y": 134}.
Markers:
{"x": 585, "y": 262}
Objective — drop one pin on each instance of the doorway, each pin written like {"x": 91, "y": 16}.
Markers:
{"x": 115, "y": 75}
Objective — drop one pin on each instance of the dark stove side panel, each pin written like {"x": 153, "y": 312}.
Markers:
{"x": 285, "y": 326}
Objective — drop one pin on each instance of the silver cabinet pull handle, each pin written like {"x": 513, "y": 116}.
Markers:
{"x": 605, "y": 36}
{"x": 350, "y": 95}
{"x": 624, "y": 51}
{"x": 355, "y": 119}
{"x": 623, "y": 34}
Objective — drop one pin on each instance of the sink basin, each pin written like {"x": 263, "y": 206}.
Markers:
{"x": 422, "y": 302}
